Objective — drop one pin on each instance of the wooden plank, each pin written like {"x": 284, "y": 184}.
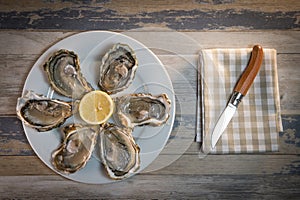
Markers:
{"x": 173, "y": 42}
{"x": 178, "y": 15}
{"x": 125, "y": 6}
{"x": 13, "y": 141}
{"x": 187, "y": 164}
{"x": 160, "y": 40}
{"x": 12, "y": 138}
{"x": 16, "y": 68}
{"x": 23, "y": 165}
{"x": 181, "y": 68}
{"x": 155, "y": 187}
{"x": 231, "y": 164}
{"x": 182, "y": 71}
{"x": 27, "y": 43}
{"x": 290, "y": 137}
{"x": 289, "y": 82}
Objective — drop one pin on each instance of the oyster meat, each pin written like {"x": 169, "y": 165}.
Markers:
{"x": 117, "y": 69}
{"x": 142, "y": 109}
{"x": 63, "y": 71}
{"x": 41, "y": 113}
{"x": 76, "y": 149}
{"x": 118, "y": 151}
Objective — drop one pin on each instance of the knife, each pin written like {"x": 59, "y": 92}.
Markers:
{"x": 240, "y": 90}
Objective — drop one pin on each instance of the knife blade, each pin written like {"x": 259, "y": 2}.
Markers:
{"x": 240, "y": 90}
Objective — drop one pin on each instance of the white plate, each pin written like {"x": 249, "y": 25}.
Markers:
{"x": 151, "y": 77}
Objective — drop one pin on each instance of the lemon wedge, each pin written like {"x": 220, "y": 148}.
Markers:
{"x": 96, "y": 107}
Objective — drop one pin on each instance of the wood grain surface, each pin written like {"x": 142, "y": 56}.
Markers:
{"x": 124, "y": 15}
{"x": 175, "y": 31}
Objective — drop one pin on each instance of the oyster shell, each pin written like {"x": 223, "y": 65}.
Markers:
{"x": 118, "y": 69}
{"x": 118, "y": 151}
{"x": 63, "y": 71}
{"x": 142, "y": 109}
{"x": 76, "y": 149}
{"x": 41, "y": 113}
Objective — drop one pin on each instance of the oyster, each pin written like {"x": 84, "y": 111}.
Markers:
{"x": 118, "y": 69}
{"x": 118, "y": 151}
{"x": 42, "y": 113}
{"x": 142, "y": 109}
{"x": 64, "y": 74}
{"x": 76, "y": 149}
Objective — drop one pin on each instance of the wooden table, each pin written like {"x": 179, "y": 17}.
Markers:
{"x": 28, "y": 28}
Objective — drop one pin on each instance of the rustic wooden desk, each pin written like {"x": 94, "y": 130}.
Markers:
{"x": 28, "y": 28}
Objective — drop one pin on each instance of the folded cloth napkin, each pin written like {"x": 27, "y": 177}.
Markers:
{"x": 257, "y": 121}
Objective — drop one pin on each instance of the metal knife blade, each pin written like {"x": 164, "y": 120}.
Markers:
{"x": 240, "y": 90}
{"x": 222, "y": 123}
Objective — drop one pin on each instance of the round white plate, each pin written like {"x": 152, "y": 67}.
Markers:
{"x": 151, "y": 77}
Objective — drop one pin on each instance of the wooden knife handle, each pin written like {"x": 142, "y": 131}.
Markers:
{"x": 251, "y": 71}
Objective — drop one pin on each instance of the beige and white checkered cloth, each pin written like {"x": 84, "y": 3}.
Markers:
{"x": 256, "y": 123}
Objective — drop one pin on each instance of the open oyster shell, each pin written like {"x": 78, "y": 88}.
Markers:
{"x": 118, "y": 69}
{"x": 76, "y": 149}
{"x": 142, "y": 109}
{"x": 63, "y": 71}
{"x": 118, "y": 151}
{"x": 41, "y": 113}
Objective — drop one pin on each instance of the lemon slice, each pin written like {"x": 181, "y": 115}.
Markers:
{"x": 96, "y": 107}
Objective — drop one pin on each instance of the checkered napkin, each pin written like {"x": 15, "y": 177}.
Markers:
{"x": 256, "y": 123}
